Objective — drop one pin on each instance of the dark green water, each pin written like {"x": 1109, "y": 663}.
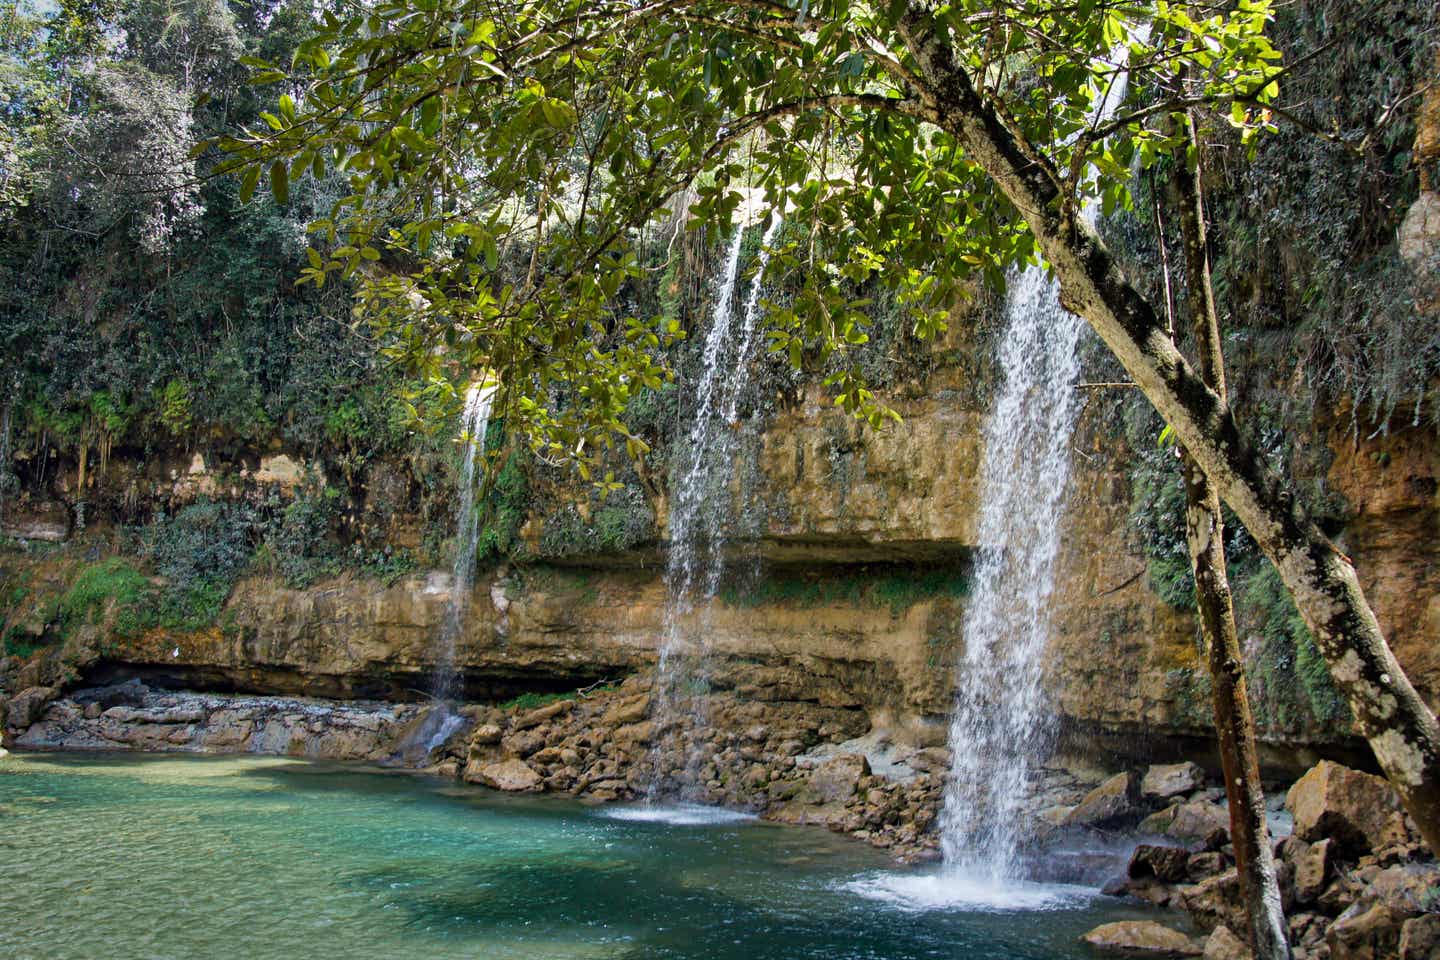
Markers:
{"x": 178, "y": 857}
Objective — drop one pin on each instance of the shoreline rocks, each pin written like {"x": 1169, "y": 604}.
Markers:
{"x": 135, "y": 717}
{"x": 1355, "y": 880}
{"x": 1141, "y": 938}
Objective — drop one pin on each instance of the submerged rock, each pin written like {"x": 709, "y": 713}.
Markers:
{"x": 514, "y": 776}
{"x": 1141, "y": 938}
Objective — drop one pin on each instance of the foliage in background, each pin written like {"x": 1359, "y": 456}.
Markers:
{"x": 141, "y": 304}
{"x": 298, "y": 543}
{"x": 200, "y": 552}
{"x": 1306, "y": 265}
{"x": 1290, "y": 683}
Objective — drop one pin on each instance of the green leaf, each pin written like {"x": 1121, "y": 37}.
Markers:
{"x": 280, "y": 182}
{"x": 248, "y": 183}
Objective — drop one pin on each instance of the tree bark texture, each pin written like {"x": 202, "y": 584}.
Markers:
{"x": 1205, "y": 533}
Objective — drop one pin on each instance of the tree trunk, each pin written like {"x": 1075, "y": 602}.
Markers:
{"x": 1205, "y": 533}
{"x": 1388, "y": 711}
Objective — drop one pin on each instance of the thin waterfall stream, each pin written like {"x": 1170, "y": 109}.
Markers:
{"x": 700, "y": 512}
{"x": 443, "y": 721}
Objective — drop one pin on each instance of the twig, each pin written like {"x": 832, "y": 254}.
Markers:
{"x": 583, "y": 691}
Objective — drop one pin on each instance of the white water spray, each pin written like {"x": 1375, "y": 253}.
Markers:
{"x": 1001, "y": 727}
{"x": 700, "y": 505}
{"x": 442, "y": 721}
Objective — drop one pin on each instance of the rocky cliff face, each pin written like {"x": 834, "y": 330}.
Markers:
{"x": 865, "y": 538}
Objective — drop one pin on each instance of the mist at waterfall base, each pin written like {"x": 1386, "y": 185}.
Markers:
{"x": 167, "y": 857}
{"x": 700, "y": 521}
{"x": 442, "y": 722}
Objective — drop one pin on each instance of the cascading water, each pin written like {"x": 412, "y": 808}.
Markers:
{"x": 442, "y": 721}
{"x": 700, "y": 505}
{"x": 1001, "y": 727}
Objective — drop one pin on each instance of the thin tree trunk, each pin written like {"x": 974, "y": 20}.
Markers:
{"x": 1389, "y": 713}
{"x": 1205, "y": 533}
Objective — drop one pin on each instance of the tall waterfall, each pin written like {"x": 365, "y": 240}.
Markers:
{"x": 1001, "y": 725}
{"x": 441, "y": 722}
{"x": 700, "y": 502}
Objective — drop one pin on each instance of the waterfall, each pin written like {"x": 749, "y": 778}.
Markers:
{"x": 1001, "y": 725}
{"x": 441, "y": 722}
{"x": 700, "y": 503}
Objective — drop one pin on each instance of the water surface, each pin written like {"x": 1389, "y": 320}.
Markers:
{"x": 261, "y": 858}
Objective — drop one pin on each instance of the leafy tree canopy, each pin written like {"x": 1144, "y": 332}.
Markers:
{"x": 140, "y": 303}
{"x": 467, "y": 130}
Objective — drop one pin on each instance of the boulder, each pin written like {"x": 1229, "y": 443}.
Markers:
{"x": 1112, "y": 800}
{"x": 28, "y": 705}
{"x": 540, "y": 714}
{"x": 1165, "y": 780}
{"x": 1399, "y": 840}
{"x": 1373, "y": 934}
{"x": 1223, "y": 944}
{"x": 1141, "y": 938}
{"x": 837, "y": 779}
{"x": 1312, "y": 870}
{"x": 1406, "y": 890}
{"x": 524, "y": 743}
{"x": 487, "y": 734}
{"x": 1200, "y": 822}
{"x": 1420, "y": 938}
{"x": 512, "y": 775}
{"x": 1158, "y": 822}
{"x": 1167, "y": 864}
{"x": 642, "y": 732}
{"x": 1214, "y": 902}
{"x": 629, "y": 710}
{"x": 1202, "y": 866}
{"x": 1351, "y": 807}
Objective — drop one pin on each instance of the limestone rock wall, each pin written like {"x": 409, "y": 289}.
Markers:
{"x": 859, "y": 532}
